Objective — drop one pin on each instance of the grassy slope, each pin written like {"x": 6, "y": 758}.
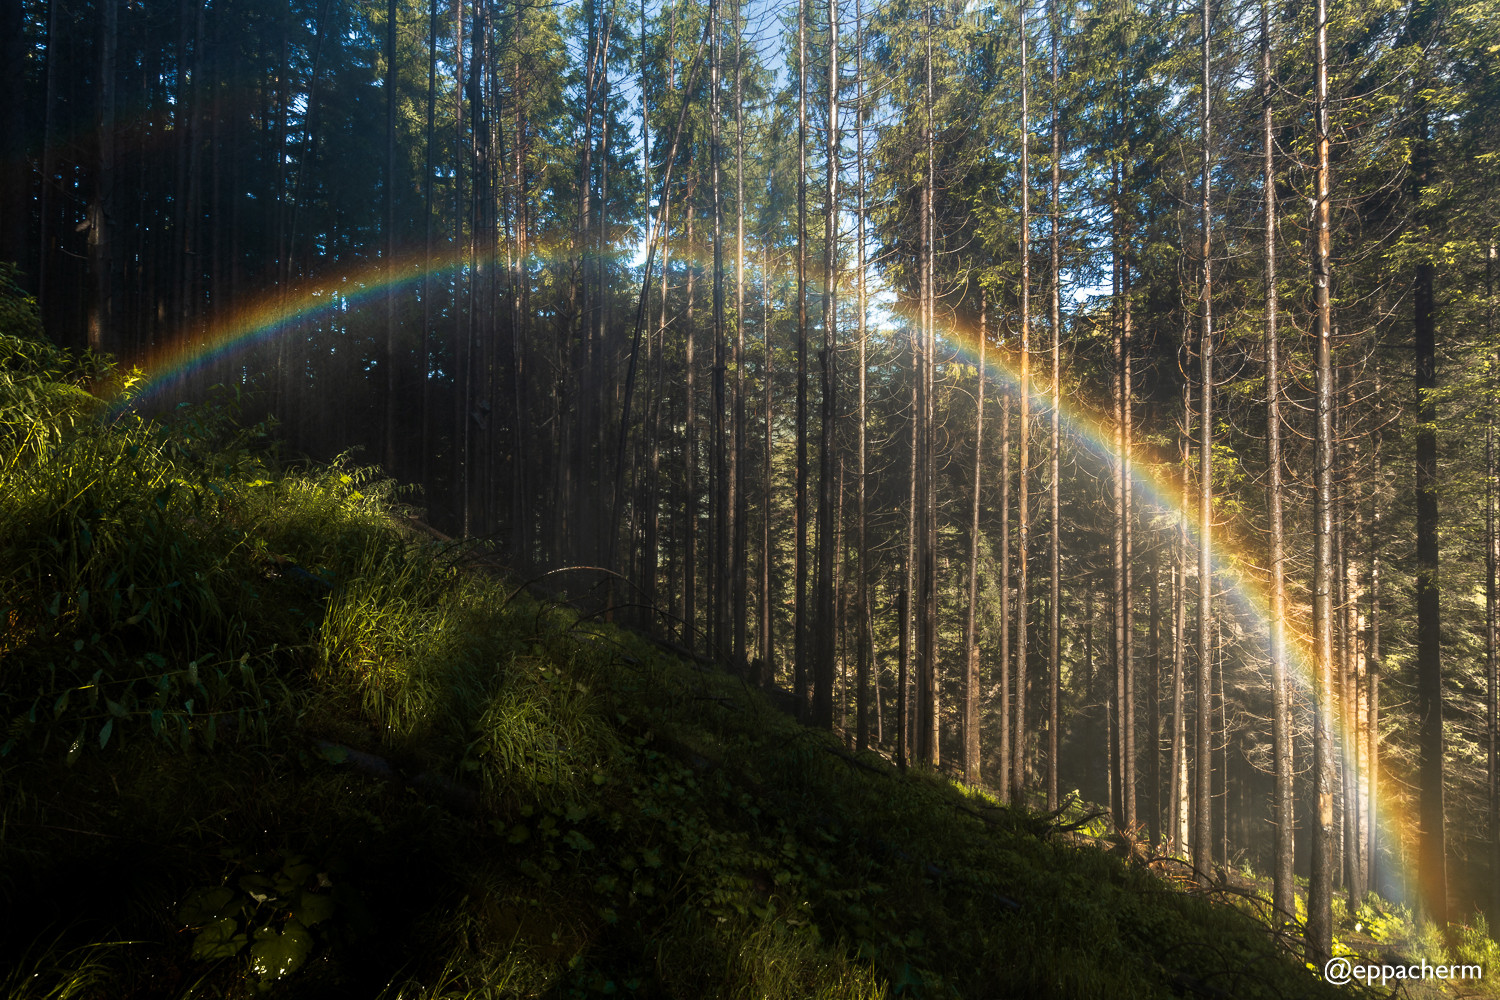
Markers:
{"x": 277, "y": 743}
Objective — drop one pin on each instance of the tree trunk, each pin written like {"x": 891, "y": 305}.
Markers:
{"x": 1284, "y": 886}
{"x": 799, "y": 555}
{"x": 1054, "y": 523}
{"x": 863, "y": 651}
{"x": 102, "y": 333}
{"x": 15, "y": 173}
{"x": 1202, "y": 856}
{"x": 1022, "y": 757}
{"x": 1432, "y": 850}
{"x": 927, "y": 618}
{"x": 738, "y": 505}
{"x": 971, "y": 645}
{"x": 1007, "y": 746}
{"x": 1320, "y": 882}
{"x": 827, "y": 627}
{"x": 390, "y": 237}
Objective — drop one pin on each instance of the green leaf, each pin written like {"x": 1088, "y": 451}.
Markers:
{"x": 313, "y": 908}
{"x": 109, "y": 727}
{"x": 115, "y": 708}
{"x": 207, "y": 904}
{"x": 275, "y": 956}
{"x": 220, "y": 939}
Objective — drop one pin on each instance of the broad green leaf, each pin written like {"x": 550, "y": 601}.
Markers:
{"x": 219, "y": 939}
{"x": 109, "y": 727}
{"x": 275, "y": 956}
{"x": 204, "y": 905}
{"x": 313, "y": 908}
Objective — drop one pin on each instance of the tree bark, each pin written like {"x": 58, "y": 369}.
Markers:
{"x": 1284, "y": 886}
{"x": 971, "y": 645}
{"x": 801, "y": 627}
{"x": 863, "y": 649}
{"x": 827, "y": 628}
{"x": 1320, "y": 882}
{"x": 1020, "y": 761}
{"x": 1054, "y": 521}
{"x": 1202, "y": 856}
{"x": 1432, "y": 851}
{"x": 102, "y": 334}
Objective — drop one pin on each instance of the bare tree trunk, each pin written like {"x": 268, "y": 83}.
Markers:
{"x": 1021, "y": 760}
{"x": 1320, "y": 882}
{"x": 1007, "y": 746}
{"x": 827, "y": 627}
{"x": 799, "y": 555}
{"x": 1284, "y": 884}
{"x": 904, "y": 750}
{"x": 1202, "y": 856}
{"x": 1491, "y": 617}
{"x": 1054, "y": 524}
{"x": 1181, "y": 797}
{"x": 971, "y": 646}
{"x": 15, "y": 173}
{"x": 102, "y": 333}
{"x": 690, "y": 442}
{"x": 738, "y": 507}
{"x": 719, "y": 575}
{"x": 390, "y": 237}
{"x": 927, "y": 640}
{"x": 1154, "y": 722}
{"x": 1372, "y": 672}
{"x": 864, "y": 651}
{"x": 1432, "y": 850}
{"x": 767, "y": 553}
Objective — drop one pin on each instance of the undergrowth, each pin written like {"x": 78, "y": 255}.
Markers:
{"x": 260, "y": 738}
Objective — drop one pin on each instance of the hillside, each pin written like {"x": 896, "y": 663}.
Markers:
{"x": 263, "y": 738}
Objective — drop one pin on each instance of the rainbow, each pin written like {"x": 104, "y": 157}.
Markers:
{"x": 1231, "y": 559}
{"x": 278, "y": 312}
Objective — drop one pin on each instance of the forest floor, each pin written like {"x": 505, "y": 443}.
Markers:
{"x": 263, "y": 738}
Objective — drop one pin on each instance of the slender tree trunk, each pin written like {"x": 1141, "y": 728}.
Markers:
{"x": 1320, "y": 882}
{"x": 1372, "y": 672}
{"x": 1432, "y": 849}
{"x": 1154, "y": 722}
{"x": 390, "y": 237}
{"x": 1007, "y": 745}
{"x": 971, "y": 645}
{"x": 864, "y": 651}
{"x": 1022, "y": 759}
{"x": 16, "y": 186}
{"x": 47, "y": 224}
{"x": 905, "y": 752}
{"x": 1054, "y": 522}
{"x": 801, "y": 627}
{"x": 102, "y": 333}
{"x": 827, "y": 627}
{"x": 927, "y": 644}
{"x": 767, "y": 553}
{"x": 738, "y": 506}
{"x": 718, "y": 576}
{"x": 1284, "y": 885}
{"x": 690, "y": 442}
{"x": 1491, "y": 616}
{"x": 1202, "y": 856}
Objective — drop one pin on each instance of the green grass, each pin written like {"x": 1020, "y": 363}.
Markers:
{"x": 261, "y": 739}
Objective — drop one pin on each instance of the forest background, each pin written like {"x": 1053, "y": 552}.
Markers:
{"x": 747, "y": 326}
